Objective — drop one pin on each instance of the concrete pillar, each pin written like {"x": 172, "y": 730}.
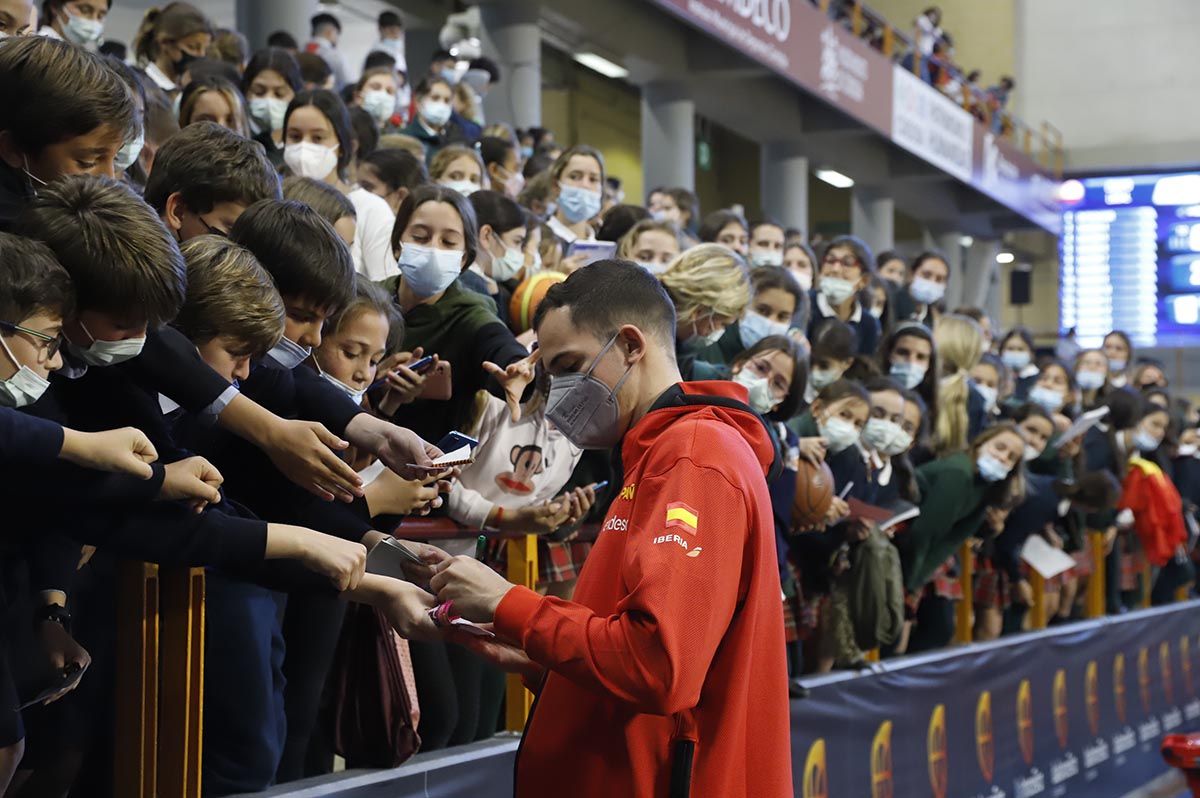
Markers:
{"x": 511, "y": 36}
{"x": 784, "y": 172}
{"x": 258, "y": 19}
{"x": 872, "y": 216}
{"x": 982, "y": 277}
{"x": 951, "y": 245}
{"x": 420, "y": 43}
{"x": 668, "y": 135}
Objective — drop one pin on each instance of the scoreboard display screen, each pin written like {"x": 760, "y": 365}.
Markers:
{"x": 1130, "y": 259}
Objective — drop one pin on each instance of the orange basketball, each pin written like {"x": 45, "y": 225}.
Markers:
{"x": 814, "y": 493}
{"x": 529, "y": 293}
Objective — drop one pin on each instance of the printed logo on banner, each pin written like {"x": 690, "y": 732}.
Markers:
{"x": 844, "y": 73}
{"x": 1025, "y": 721}
{"x": 1164, "y": 666}
{"x": 1091, "y": 697}
{"x": 1144, "y": 678}
{"x": 926, "y": 122}
{"x": 1185, "y": 666}
{"x": 816, "y": 783}
{"x": 1119, "y": 686}
{"x": 985, "y": 746}
{"x": 881, "y": 762}
{"x": 1061, "y": 719}
{"x": 939, "y": 766}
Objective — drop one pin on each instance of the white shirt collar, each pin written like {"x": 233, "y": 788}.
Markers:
{"x": 1029, "y": 371}
{"x": 561, "y": 231}
{"x": 167, "y": 404}
{"x": 829, "y": 310}
{"x": 48, "y": 32}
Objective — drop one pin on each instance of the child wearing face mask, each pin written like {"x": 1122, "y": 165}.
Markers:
{"x": 1017, "y": 352}
{"x": 960, "y": 493}
{"x": 1118, "y": 348}
{"x": 710, "y": 289}
{"x": 1091, "y": 375}
{"x": 991, "y": 378}
{"x": 776, "y": 297}
{"x": 500, "y": 257}
{"x": 1054, "y": 388}
{"x": 832, "y": 353}
{"x": 436, "y": 238}
{"x": 921, "y": 299}
{"x": 845, "y": 269}
{"x": 578, "y": 175}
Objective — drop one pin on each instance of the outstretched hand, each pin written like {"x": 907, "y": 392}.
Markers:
{"x": 514, "y": 378}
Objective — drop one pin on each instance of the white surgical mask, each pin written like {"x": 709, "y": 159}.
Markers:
{"x": 990, "y": 395}
{"x": 506, "y": 267}
{"x": 907, "y": 373}
{"x": 428, "y": 271}
{"x": 379, "y": 104}
{"x": 839, "y": 434}
{"x": 271, "y": 110}
{"x": 805, "y": 279}
{"x": 435, "y": 112}
{"x": 1015, "y": 358}
{"x": 82, "y": 31}
{"x": 464, "y": 187}
{"x": 653, "y": 268}
{"x": 766, "y": 257}
{"x": 1145, "y": 441}
{"x": 1090, "y": 380}
{"x": 821, "y": 378}
{"x": 1031, "y": 453}
{"x": 107, "y": 353}
{"x": 129, "y": 152}
{"x": 990, "y": 468}
{"x": 761, "y": 400}
{"x": 837, "y": 290}
{"x": 1050, "y": 399}
{"x": 879, "y": 432}
{"x": 23, "y": 388}
{"x": 754, "y": 327}
{"x": 1116, "y": 366}
{"x": 308, "y": 159}
{"x": 899, "y": 444}
{"x": 355, "y": 396}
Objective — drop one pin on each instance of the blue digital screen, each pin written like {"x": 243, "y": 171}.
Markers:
{"x": 1130, "y": 259}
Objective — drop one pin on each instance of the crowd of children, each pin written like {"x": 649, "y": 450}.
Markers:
{"x": 240, "y": 303}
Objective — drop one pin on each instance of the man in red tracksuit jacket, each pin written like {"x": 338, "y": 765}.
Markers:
{"x": 666, "y": 676}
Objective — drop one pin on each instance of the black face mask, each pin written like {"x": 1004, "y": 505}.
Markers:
{"x": 182, "y": 62}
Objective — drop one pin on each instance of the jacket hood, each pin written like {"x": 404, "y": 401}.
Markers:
{"x": 719, "y": 399}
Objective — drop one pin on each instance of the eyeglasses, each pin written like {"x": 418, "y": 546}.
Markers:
{"x": 50, "y": 343}
{"x": 216, "y": 231}
{"x": 846, "y": 261}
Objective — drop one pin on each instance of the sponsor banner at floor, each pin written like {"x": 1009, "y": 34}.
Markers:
{"x": 1077, "y": 711}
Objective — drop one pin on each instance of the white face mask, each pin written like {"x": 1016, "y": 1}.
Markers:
{"x": 23, "y": 388}
{"x": 129, "y": 152}
{"x": 766, "y": 257}
{"x": 379, "y": 104}
{"x": 435, "y": 112}
{"x": 898, "y": 444}
{"x": 926, "y": 291}
{"x": 428, "y": 271}
{"x": 761, "y": 400}
{"x": 990, "y": 395}
{"x": 355, "y": 396}
{"x": 837, "y": 290}
{"x": 464, "y": 187}
{"x": 107, "y": 353}
{"x": 506, "y": 266}
{"x": 805, "y": 279}
{"x": 82, "y": 31}
{"x": 1031, "y": 453}
{"x": 879, "y": 432}
{"x": 307, "y": 159}
{"x": 271, "y": 110}
{"x": 839, "y": 434}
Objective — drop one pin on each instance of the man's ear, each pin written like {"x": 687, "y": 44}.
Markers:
{"x": 173, "y": 212}
{"x": 632, "y": 343}
{"x": 9, "y": 152}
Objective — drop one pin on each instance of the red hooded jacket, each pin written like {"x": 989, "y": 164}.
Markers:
{"x": 676, "y": 631}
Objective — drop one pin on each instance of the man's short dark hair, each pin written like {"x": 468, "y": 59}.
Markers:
{"x": 313, "y": 68}
{"x": 379, "y": 58}
{"x": 300, "y": 250}
{"x": 52, "y": 91}
{"x": 282, "y": 38}
{"x": 323, "y": 20}
{"x": 441, "y": 55}
{"x": 119, "y": 254}
{"x": 609, "y": 294}
{"x": 208, "y": 164}
{"x": 390, "y": 19}
{"x": 31, "y": 280}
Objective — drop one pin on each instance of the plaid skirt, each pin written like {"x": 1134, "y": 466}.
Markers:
{"x": 557, "y": 562}
{"x": 993, "y": 587}
{"x": 1133, "y": 560}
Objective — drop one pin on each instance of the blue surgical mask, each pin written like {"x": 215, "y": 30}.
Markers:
{"x": 1015, "y": 359}
{"x": 1090, "y": 380}
{"x": 908, "y": 374}
{"x": 428, "y": 271}
{"x": 754, "y": 327}
{"x": 991, "y": 469}
{"x": 1144, "y": 441}
{"x": 578, "y": 204}
{"x": 584, "y": 409}
{"x": 1116, "y": 366}
{"x": 288, "y": 354}
{"x": 926, "y": 291}
{"x": 269, "y": 110}
{"x": 1049, "y": 399}
{"x": 526, "y": 153}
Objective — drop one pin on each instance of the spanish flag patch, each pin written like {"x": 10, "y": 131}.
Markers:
{"x": 682, "y": 516}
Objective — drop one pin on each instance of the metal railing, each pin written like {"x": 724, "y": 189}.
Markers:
{"x": 1043, "y": 143}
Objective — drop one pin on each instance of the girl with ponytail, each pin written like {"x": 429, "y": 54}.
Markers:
{"x": 961, "y": 410}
